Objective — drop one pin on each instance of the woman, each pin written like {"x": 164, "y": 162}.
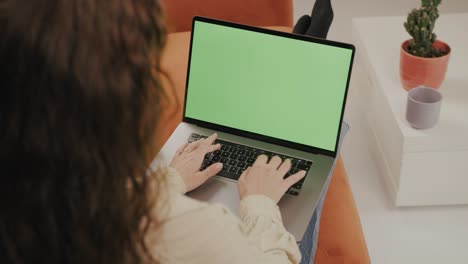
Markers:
{"x": 78, "y": 110}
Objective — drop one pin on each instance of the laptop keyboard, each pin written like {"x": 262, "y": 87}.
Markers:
{"x": 236, "y": 158}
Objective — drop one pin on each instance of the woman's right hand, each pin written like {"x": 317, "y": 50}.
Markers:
{"x": 267, "y": 178}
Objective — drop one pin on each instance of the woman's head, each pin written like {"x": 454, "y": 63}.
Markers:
{"x": 78, "y": 106}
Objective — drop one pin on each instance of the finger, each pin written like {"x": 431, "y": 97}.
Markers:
{"x": 194, "y": 145}
{"x": 206, "y": 146}
{"x": 262, "y": 159}
{"x": 215, "y": 147}
{"x": 275, "y": 162}
{"x": 210, "y": 139}
{"x": 284, "y": 168}
{"x": 204, "y": 149}
{"x": 291, "y": 180}
{"x": 181, "y": 149}
{"x": 211, "y": 171}
{"x": 244, "y": 174}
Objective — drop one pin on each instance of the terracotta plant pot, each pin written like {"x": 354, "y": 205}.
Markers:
{"x": 416, "y": 71}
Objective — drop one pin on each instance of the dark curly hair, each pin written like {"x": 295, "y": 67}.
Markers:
{"x": 79, "y": 94}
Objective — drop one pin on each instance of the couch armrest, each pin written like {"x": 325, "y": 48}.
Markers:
{"x": 256, "y": 13}
{"x": 341, "y": 239}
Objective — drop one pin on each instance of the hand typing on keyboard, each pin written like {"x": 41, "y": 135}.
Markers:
{"x": 189, "y": 158}
{"x": 236, "y": 158}
{"x": 206, "y": 157}
{"x": 268, "y": 178}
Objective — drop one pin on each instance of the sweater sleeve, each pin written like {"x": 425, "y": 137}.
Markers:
{"x": 175, "y": 181}
{"x": 203, "y": 233}
{"x": 261, "y": 223}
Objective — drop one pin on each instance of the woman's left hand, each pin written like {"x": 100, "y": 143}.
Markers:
{"x": 189, "y": 158}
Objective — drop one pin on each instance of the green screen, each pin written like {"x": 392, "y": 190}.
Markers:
{"x": 270, "y": 85}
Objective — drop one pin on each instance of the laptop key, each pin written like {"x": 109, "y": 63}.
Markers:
{"x": 302, "y": 166}
{"x": 224, "y": 147}
{"x": 232, "y": 162}
{"x": 250, "y": 160}
{"x": 224, "y": 160}
{"x": 242, "y": 158}
{"x": 241, "y": 165}
{"x": 233, "y": 156}
{"x": 233, "y": 169}
{"x": 293, "y": 193}
{"x": 241, "y": 151}
{"x": 194, "y": 136}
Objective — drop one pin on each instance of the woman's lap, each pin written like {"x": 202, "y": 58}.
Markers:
{"x": 308, "y": 245}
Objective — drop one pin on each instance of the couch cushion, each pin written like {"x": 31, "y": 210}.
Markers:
{"x": 340, "y": 237}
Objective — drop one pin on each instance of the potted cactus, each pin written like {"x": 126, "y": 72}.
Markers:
{"x": 423, "y": 59}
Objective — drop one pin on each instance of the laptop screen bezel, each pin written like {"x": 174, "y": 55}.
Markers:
{"x": 252, "y": 135}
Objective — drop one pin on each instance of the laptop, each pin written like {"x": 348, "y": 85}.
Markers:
{"x": 264, "y": 92}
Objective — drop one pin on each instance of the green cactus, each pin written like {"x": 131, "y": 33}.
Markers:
{"x": 420, "y": 24}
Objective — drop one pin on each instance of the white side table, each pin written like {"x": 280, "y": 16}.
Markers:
{"x": 420, "y": 167}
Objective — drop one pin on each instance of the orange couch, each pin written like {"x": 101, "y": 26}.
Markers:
{"x": 253, "y": 12}
{"x": 340, "y": 237}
